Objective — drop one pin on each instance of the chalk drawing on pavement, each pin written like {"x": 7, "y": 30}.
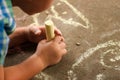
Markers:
{"x": 114, "y": 59}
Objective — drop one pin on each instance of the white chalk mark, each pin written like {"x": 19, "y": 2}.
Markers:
{"x": 71, "y": 75}
{"x": 35, "y": 19}
{"x": 21, "y": 18}
{"x": 116, "y": 58}
{"x": 92, "y": 51}
{"x": 66, "y": 21}
{"x": 43, "y": 76}
{"x": 70, "y": 19}
{"x": 77, "y": 12}
{"x": 58, "y": 4}
{"x": 64, "y": 12}
{"x": 56, "y": 14}
{"x": 102, "y": 58}
{"x": 70, "y": 22}
{"x": 100, "y": 77}
{"x": 107, "y": 34}
{"x": 112, "y": 60}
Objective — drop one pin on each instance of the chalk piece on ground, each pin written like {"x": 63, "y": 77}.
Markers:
{"x": 78, "y": 44}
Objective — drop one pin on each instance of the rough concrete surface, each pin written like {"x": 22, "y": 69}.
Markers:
{"x": 92, "y": 32}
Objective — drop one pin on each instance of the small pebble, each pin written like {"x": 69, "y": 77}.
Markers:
{"x": 78, "y": 44}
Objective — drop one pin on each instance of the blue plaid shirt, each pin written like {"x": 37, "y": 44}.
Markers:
{"x": 7, "y": 26}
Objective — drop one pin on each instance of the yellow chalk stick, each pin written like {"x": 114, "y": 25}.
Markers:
{"x": 49, "y": 30}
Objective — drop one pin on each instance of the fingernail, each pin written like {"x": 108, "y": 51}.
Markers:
{"x": 37, "y": 31}
{"x": 60, "y": 32}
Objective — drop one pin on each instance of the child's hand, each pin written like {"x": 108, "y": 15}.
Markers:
{"x": 37, "y": 33}
{"x": 51, "y": 52}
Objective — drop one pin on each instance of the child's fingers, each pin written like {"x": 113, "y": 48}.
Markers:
{"x": 64, "y": 51}
{"x": 42, "y": 28}
{"x": 43, "y": 41}
{"x": 62, "y": 45}
{"x": 35, "y": 30}
{"x": 58, "y": 32}
{"x": 58, "y": 39}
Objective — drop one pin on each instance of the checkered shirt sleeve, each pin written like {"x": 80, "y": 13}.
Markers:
{"x": 7, "y": 26}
